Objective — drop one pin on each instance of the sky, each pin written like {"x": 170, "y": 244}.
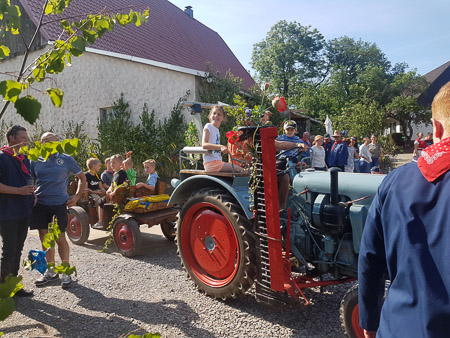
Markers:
{"x": 413, "y": 31}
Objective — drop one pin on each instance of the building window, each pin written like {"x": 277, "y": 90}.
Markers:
{"x": 105, "y": 113}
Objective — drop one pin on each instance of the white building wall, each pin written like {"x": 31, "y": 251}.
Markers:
{"x": 95, "y": 81}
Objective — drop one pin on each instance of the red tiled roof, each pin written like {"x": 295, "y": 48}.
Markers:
{"x": 170, "y": 36}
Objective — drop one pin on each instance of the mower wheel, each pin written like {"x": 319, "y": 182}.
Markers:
{"x": 127, "y": 236}
{"x": 214, "y": 244}
{"x": 168, "y": 229}
{"x": 350, "y": 314}
{"x": 78, "y": 226}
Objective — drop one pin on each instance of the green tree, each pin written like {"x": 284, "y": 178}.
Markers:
{"x": 347, "y": 57}
{"x": 78, "y": 35}
{"x": 291, "y": 54}
{"x": 406, "y": 87}
{"x": 362, "y": 118}
{"x": 216, "y": 87}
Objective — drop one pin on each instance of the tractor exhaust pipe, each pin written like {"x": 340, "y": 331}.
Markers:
{"x": 334, "y": 195}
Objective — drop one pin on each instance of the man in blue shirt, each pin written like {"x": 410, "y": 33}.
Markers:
{"x": 52, "y": 178}
{"x": 338, "y": 156}
{"x": 290, "y": 127}
{"x": 16, "y": 202}
{"x": 406, "y": 239}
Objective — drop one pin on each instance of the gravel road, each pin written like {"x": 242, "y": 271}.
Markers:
{"x": 114, "y": 296}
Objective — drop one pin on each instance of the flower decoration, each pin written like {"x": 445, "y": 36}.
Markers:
{"x": 266, "y": 86}
{"x": 279, "y": 103}
{"x": 232, "y": 136}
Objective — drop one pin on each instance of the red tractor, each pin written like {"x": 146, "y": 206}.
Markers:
{"x": 230, "y": 233}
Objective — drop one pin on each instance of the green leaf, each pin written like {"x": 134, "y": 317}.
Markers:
{"x": 101, "y": 24}
{"x": 75, "y": 143}
{"x": 90, "y": 36}
{"x": 8, "y": 287}
{"x": 23, "y": 150}
{"x": 10, "y": 90}
{"x": 33, "y": 154}
{"x": 77, "y": 46}
{"x": 56, "y": 65}
{"x": 137, "y": 19}
{"x": 39, "y": 74}
{"x": 56, "y": 6}
{"x": 7, "y": 307}
{"x": 4, "y": 51}
{"x": 66, "y": 26}
{"x": 56, "y": 95}
{"x": 68, "y": 148}
{"x": 60, "y": 149}
{"x": 123, "y": 19}
{"x": 29, "y": 108}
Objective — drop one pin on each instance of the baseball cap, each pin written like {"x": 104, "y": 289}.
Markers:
{"x": 290, "y": 124}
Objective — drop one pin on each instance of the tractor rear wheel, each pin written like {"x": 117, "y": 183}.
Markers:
{"x": 214, "y": 244}
{"x": 350, "y": 314}
{"x": 168, "y": 229}
{"x": 127, "y": 236}
{"x": 78, "y": 226}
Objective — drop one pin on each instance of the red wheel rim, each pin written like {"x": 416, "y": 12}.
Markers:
{"x": 209, "y": 244}
{"x": 123, "y": 237}
{"x": 359, "y": 332}
{"x": 74, "y": 227}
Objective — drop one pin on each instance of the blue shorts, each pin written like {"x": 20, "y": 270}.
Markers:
{"x": 43, "y": 214}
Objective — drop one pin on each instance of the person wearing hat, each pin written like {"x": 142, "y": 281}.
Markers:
{"x": 290, "y": 128}
{"x": 338, "y": 156}
{"x": 52, "y": 178}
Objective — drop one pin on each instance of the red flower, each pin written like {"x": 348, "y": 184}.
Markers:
{"x": 279, "y": 104}
{"x": 232, "y": 136}
{"x": 266, "y": 86}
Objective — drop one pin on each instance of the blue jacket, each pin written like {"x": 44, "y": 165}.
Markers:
{"x": 14, "y": 207}
{"x": 338, "y": 155}
{"x": 407, "y": 237}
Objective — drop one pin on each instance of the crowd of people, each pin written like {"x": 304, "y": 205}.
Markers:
{"x": 34, "y": 195}
{"x": 342, "y": 152}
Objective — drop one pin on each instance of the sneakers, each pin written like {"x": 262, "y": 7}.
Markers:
{"x": 66, "y": 281}
{"x": 46, "y": 278}
{"x": 98, "y": 226}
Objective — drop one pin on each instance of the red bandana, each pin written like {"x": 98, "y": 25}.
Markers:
{"x": 335, "y": 143}
{"x": 435, "y": 160}
{"x": 19, "y": 157}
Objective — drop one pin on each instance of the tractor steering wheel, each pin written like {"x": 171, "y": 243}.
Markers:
{"x": 298, "y": 151}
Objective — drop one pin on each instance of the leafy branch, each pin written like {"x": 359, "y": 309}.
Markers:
{"x": 80, "y": 34}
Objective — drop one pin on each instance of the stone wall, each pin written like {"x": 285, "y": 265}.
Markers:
{"x": 95, "y": 81}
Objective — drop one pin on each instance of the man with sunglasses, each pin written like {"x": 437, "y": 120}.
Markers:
{"x": 16, "y": 202}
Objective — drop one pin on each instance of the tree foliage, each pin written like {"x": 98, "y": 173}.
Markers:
{"x": 349, "y": 80}
{"x": 160, "y": 140}
{"x": 291, "y": 54}
{"x": 75, "y": 36}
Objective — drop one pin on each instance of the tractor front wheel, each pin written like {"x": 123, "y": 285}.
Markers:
{"x": 350, "y": 314}
{"x": 127, "y": 236}
{"x": 214, "y": 245}
{"x": 78, "y": 226}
